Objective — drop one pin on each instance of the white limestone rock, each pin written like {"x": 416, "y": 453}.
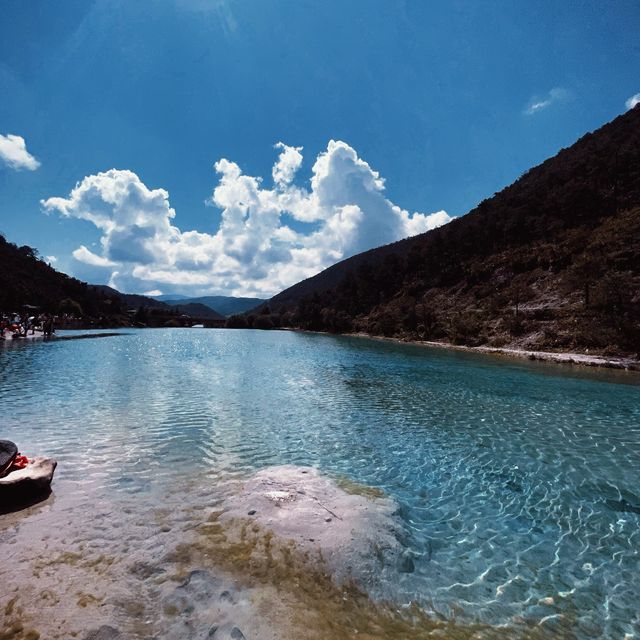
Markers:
{"x": 354, "y": 533}
{"x": 35, "y": 479}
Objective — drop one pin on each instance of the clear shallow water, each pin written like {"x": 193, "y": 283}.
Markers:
{"x": 518, "y": 484}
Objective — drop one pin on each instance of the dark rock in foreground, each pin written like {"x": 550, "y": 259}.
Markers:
{"x": 8, "y": 453}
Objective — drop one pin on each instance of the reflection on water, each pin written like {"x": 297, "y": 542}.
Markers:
{"x": 517, "y": 484}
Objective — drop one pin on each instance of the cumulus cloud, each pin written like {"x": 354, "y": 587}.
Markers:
{"x": 267, "y": 238}
{"x": 13, "y": 152}
{"x": 51, "y": 259}
{"x": 632, "y": 101}
{"x": 289, "y": 161}
{"x": 537, "y": 104}
{"x": 86, "y": 256}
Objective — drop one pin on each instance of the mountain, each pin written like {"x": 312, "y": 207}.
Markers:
{"x": 224, "y": 305}
{"x": 195, "y": 309}
{"x": 185, "y": 306}
{"x": 169, "y": 296}
{"x": 27, "y": 279}
{"x": 131, "y": 300}
{"x": 551, "y": 262}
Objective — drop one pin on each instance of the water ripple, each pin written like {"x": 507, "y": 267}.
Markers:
{"x": 517, "y": 486}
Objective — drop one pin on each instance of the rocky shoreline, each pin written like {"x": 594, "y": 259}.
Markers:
{"x": 624, "y": 363}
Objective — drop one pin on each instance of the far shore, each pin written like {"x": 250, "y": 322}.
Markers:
{"x": 583, "y": 359}
{"x": 623, "y": 363}
{"x": 56, "y": 337}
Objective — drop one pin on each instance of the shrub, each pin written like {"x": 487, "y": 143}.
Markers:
{"x": 70, "y": 306}
{"x": 236, "y": 322}
{"x": 263, "y": 322}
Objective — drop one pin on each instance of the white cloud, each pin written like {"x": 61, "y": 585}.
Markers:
{"x": 51, "y": 259}
{"x": 257, "y": 249}
{"x": 86, "y": 256}
{"x": 537, "y": 104}
{"x": 289, "y": 161}
{"x": 13, "y": 151}
{"x": 632, "y": 101}
{"x": 153, "y": 292}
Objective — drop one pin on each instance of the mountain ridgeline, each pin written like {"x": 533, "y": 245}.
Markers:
{"x": 224, "y": 305}
{"x": 551, "y": 262}
{"x": 26, "y": 279}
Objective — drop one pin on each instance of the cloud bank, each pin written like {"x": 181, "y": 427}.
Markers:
{"x": 258, "y": 247}
{"x": 13, "y": 152}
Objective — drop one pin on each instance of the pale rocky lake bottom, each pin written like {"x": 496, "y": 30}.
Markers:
{"x": 246, "y": 484}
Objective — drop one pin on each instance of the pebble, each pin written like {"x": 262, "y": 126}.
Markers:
{"x": 224, "y": 633}
{"x": 226, "y": 596}
{"x": 405, "y": 564}
{"x": 105, "y": 632}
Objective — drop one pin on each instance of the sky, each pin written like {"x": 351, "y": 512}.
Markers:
{"x": 238, "y": 146}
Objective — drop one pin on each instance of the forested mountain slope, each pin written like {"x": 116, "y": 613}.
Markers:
{"x": 26, "y": 279}
{"x": 550, "y": 262}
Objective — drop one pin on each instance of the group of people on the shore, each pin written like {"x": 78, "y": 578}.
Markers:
{"x": 16, "y": 325}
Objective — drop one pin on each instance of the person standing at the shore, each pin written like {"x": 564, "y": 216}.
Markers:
{"x": 47, "y": 326}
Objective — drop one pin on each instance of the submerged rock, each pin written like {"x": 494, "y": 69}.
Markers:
{"x": 406, "y": 564}
{"x": 352, "y": 533}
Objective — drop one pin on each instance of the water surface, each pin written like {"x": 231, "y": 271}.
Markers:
{"x": 517, "y": 484}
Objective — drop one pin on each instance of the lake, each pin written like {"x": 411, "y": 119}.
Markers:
{"x": 517, "y": 484}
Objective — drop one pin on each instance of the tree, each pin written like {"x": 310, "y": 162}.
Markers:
{"x": 584, "y": 272}
{"x": 142, "y": 315}
{"x": 236, "y": 322}
{"x": 263, "y": 322}
{"x": 70, "y": 307}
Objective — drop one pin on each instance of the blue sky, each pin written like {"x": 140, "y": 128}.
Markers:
{"x": 431, "y": 107}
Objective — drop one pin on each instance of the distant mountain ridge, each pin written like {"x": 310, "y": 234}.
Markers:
{"x": 133, "y": 300}
{"x": 186, "y": 306}
{"x": 169, "y": 296}
{"x": 26, "y": 279}
{"x": 224, "y": 305}
{"x": 550, "y": 262}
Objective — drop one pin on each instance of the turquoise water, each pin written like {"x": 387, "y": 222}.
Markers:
{"x": 518, "y": 485}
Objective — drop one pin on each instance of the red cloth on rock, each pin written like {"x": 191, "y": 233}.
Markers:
{"x": 19, "y": 462}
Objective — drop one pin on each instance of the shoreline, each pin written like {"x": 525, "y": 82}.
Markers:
{"x": 582, "y": 359}
{"x": 56, "y": 337}
{"x": 620, "y": 363}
